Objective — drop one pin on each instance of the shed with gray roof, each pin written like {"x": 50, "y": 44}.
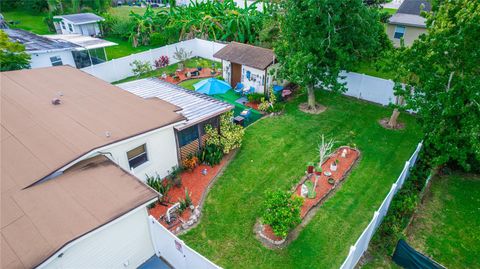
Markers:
{"x": 80, "y": 23}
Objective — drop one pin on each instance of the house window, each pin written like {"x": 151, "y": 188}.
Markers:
{"x": 70, "y": 27}
{"x": 137, "y": 156}
{"x": 188, "y": 135}
{"x": 214, "y": 122}
{"x": 63, "y": 25}
{"x": 56, "y": 61}
{"x": 399, "y": 32}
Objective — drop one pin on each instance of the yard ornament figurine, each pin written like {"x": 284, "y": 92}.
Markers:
{"x": 344, "y": 153}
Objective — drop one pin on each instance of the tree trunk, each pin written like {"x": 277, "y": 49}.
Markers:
{"x": 392, "y": 123}
{"x": 311, "y": 97}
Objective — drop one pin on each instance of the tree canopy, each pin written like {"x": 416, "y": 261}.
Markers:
{"x": 318, "y": 39}
{"x": 442, "y": 70}
{"x": 12, "y": 54}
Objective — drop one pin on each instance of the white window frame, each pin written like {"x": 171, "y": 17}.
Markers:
{"x": 145, "y": 153}
{"x": 55, "y": 60}
{"x": 400, "y": 29}
{"x": 70, "y": 27}
{"x": 63, "y": 25}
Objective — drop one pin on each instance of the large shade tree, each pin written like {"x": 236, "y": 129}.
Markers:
{"x": 442, "y": 72}
{"x": 12, "y": 54}
{"x": 318, "y": 39}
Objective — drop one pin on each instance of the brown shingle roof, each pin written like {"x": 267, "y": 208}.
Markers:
{"x": 40, "y": 220}
{"x": 38, "y": 138}
{"x": 245, "y": 54}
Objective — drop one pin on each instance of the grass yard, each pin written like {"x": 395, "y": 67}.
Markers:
{"x": 448, "y": 223}
{"x": 274, "y": 156}
{"x": 27, "y": 21}
{"x": 123, "y": 12}
{"x": 390, "y": 11}
{"x": 124, "y": 48}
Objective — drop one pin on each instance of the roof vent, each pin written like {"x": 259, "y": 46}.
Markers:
{"x": 56, "y": 101}
{"x": 107, "y": 134}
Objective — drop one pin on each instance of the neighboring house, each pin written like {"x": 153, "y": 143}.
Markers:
{"x": 3, "y": 23}
{"x": 247, "y": 64}
{"x": 407, "y": 23}
{"x": 82, "y": 23}
{"x": 199, "y": 110}
{"x": 53, "y": 50}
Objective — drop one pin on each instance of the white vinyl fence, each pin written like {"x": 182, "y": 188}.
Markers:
{"x": 120, "y": 68}
{"x": 175, "y": 251}
{"x": 361, "y": 86}
{"x": 357, "y": 250}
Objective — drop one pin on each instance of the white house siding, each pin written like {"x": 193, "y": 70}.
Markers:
{"x": 226, "y": 71}
{"x": 123, "y": 244}
{"x": 161, "y": 151}
{"x": 257, "y": 78}
{"x": 43, "y": 59}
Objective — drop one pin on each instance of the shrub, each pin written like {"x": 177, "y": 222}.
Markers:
{"x": 268, "y": 105}
{"x": 162, "y": 61}
{"x": 190, "y": 163}
{"x": 282, "y": 212}
{"x": 121, "y": 28}
{"x": 211, "y": 154}
{"x": 174, "y": 176}
{"x": 255, "y": 97}
{"x": 160, "y": 185}
{"x": 185, "y": 203}
{"x": 158, "y": 39}
{"x": 140, "y": 68}
{"x": 230, "y": 135}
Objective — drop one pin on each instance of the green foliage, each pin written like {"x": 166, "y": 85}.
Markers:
{"x": 255, "y": 97}
{"x": 158, "y": 39}
{"x": 282, "y": 212}
{"x": 311, "y": 192}
{"x": 143, "y": 27}
{"x": 268, "y": 105}
{"x": 319, "y": 39}
{"x": 160, "y": 185}
{"x": 12, "y": 54}
{"x": 140, "y": 68}
{"x": 119, "y": 28}
{"x": 211, "y": 154}
{"x": 230, "y": 135}
{"x": 185, "y": 203}
{"x": 174, "y": 176}
{"x": 441, "y": 69}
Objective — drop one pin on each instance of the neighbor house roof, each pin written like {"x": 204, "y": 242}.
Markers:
{"x": 196, "y": 107}
{"x": 82, "y": 41}
{"x": 409, "y": 13}
{"x": 245, "y": 54}
{"x": 37, "y": 44}
{"x": 38, "y": 221}
{"x": 38, "y": 138}
{"x": 81, "y": 18}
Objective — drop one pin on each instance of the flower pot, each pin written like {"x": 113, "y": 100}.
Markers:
{"x": 331, "y": 181}
{"x": 310, "y": 169}
{"x": 333, "y": 167}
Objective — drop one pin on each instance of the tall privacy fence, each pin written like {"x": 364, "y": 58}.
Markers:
{"x": 357, "y": 250}
{"x": 174, "y": 250}
{"x": 361, "y": 86}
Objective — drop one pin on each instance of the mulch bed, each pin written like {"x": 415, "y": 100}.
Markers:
{"x": 182, "y": 75}
{"x": 252, "y": 105}
{"x": 323, "y": 188}
{"x": 197, "y": 185}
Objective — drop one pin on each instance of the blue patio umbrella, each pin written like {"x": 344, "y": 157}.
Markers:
{"x": 212, "y": 86}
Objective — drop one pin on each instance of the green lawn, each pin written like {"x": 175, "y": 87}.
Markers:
{"x": 273, "y": 156}
{"x": 27, "y": 21}
{"x": 390, "y": 11}
{"x": 448, "y": 223}
{"x": 123, "y": 12}
{"x": 124, "y": 48}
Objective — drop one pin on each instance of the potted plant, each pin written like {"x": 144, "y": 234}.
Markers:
{"x": 331, "y": 181}
{"x": 310, "y": 167}
{"x": 333, "y": 166}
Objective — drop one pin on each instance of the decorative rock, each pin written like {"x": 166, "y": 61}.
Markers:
{"x": 304, "y": 190}
{"x": 344, "y": 153}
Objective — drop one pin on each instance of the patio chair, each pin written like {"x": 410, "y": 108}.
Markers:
{"x": 239, "y": 88}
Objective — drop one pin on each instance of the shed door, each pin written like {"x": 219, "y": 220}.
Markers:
{"x": 236, "y": 74}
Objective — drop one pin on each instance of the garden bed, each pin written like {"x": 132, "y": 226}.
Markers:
{"x": 181, "y": 76}
{"x": 322, "y": 189}
{"x": 197, "y": 185}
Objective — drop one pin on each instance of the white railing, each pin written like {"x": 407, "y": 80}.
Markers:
{"x": 357, "y": 250}
{"x": 174, "y": 250}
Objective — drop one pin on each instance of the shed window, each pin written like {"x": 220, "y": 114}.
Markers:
{"x": 56, "y": 61}
{"x": 63, "y": 25}
{"x": 70, "y": 27}
{"x": 188, "y": 135}
{"x": 399, "y": 32}
{"x": 137, "y": 156}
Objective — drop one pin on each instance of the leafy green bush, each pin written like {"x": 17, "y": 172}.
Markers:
{"x": 282, "y": 212}
{"x": 121, "y": 28}
{"x": 211, "y": 154}
{"x": 230, "y": 135}
{"x": 255, "y": 97}
{"x": 185, "y": 203}
{"x": 158, "y": 39}
{"x": 140, "y": 68}
{"x": 160, "y": 185}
